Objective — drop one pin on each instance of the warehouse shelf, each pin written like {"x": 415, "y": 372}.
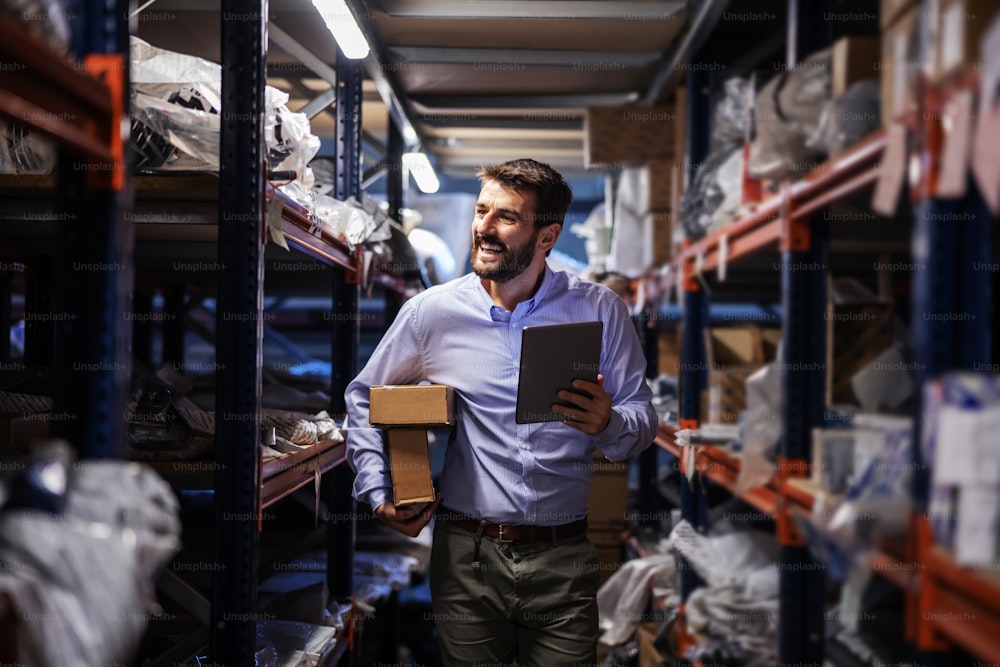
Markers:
{"x": 279, "y": 477}
{"x": 59, "y": 98}
{"x": 767, "y": 224}
{"x": 961, "y": 604}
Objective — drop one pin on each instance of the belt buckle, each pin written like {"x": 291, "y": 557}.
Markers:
{"x": 500, "y": 537}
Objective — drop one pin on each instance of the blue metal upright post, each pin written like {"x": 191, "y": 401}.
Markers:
{"x": 93, "y": 273}
{"x": 346, "y": 331}
{"x": 693, "y": 375}
{"x": 803, "y": 368}
{"x": 239, "y": 330}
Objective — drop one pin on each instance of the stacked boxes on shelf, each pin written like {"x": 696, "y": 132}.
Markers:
{"x": 606, "y": 511}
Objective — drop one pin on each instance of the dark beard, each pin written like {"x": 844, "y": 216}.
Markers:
{"x": 512, "y": 264}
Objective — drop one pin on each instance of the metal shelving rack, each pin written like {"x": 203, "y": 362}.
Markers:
{"x": 80, "y": 107}
{"x": 244, "y": 485}
{"x": 937, "y": 590}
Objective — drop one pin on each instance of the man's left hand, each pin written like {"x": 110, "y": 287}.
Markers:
{"x": 591, "y": 415}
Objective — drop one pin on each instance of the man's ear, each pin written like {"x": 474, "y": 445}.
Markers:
{"x": 548, "y": 236}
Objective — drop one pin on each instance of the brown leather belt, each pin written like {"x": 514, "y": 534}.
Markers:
{"x": 506, "y": 532}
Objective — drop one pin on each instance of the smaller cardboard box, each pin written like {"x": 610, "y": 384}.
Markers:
{"x": 608, "y": 494}
{"x": 855, "y": 59}
{"x": 410, "y": 466}
{"x": 890, "y": 10}
{"x": 900, "y": 66}
{"x": 648, "y": 655}
{"x": 856, "y": 335}
{"x": 622, "y": 136}
{"x": 411, "y": 405}
{"x": 961, "y": 26}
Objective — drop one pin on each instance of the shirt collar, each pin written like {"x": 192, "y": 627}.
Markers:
{"x": 548, "y": 278}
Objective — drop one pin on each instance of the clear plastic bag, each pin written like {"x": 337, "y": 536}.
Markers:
{"x": 24, "y": 152}
{"x": 849, "y": 118}
{"x": 709, "y": 187}
{"x": 82, "y": 578}
{"x": 787, "y": 113}
{"x": 44, "y": 20}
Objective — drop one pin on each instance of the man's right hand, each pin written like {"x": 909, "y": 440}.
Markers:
{"x": 404, "y": 519}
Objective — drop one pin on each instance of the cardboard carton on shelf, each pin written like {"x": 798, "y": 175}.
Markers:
{"x": 733, "y": 354}
{"x": 961, "y": 26}
{"x": 855, "y": 59}
{"x": 890, "y": 10}
{"x": 856, "y": 335}
{"x": 608, "y": 494}
{"x": 623, "y": 136}
{"x": 900, "y": 66}
{"x": 648, "y": 655}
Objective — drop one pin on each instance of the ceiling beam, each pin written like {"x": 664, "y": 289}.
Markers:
{"x": 677, "y": 59}
{"x": 535, "y": 57}
{"x": 304, "y": 55}
{"x": 524, "y": 101}
{"x": 532, "y": 10}
{"x": 537, "y": 123}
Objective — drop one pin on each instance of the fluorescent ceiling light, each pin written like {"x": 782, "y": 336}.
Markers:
{"x": 420, "y": 167}
{"x": 341, "y": 24}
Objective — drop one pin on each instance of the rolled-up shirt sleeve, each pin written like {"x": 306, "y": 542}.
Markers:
{"x": 633, "y": 422}
{"x": 396, "y": 360}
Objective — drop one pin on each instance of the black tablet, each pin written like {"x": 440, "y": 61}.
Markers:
{"x": 551, "y": 358}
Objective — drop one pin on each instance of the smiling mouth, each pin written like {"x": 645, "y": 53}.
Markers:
{"x": 490, "y": 248}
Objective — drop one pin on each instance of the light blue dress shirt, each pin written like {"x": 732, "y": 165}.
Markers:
{"x": 494, "y": 468}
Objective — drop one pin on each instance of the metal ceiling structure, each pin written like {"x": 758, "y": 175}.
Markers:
{"x": 476, "y": 81}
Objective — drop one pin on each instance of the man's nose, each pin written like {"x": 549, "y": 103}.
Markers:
{"x": 484, "y": 224}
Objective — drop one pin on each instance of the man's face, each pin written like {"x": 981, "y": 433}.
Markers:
{"x": 504, "y": 237}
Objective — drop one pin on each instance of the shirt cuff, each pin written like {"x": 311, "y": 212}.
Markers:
{"x": 376, "y": 497}
{"x": 611, "y": 434}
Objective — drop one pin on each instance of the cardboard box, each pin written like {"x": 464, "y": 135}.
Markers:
{"x": 855, "y": 59}
{"x": 410, "y": 466}
{"x": 669, "y": 352}
{"x": 961, "y": 25}
{"x": 733, "y": 354}
{"x": 890, "y": 10}
{"x": 832, "y": 459}
{"x": 609, "y": 552}
{"x": 856, "y": 335}
{"x": 648, "y": 655}
{"x": 616, "y": 137}
{"x": 659, "y": 172}
{"x": 608, "y": 495}
{"x": 412, "y": 405}
{"x": 662, "y": 224}
{"x": 900, "y": 66}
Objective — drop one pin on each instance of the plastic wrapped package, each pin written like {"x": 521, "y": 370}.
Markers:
{"x": 82, "y": 580}
{"x": 761, "y": 428}
{"x": 740, "y": 599}
{"x": 624, "y": 597}
{"x": 166, "y": 135}
{"x": 849, "y": 118}
{"x": 45, "y": 20}
{"x": 712, "y": 182}
{"x": 729, "y": 117}
{"x": 24, "y": 152}
{"x": 845, "y": 531}
{"x": 176, "y": 107}
{"x": 787, "y": 113}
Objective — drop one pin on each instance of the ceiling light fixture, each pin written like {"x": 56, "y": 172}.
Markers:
{"x": 420, "y": 167}
{"x": 344, "y": 28}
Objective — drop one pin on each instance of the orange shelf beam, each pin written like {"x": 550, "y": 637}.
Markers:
{"x": 839, "y": 177}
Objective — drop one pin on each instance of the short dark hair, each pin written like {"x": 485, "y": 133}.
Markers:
{"x": 552, "y": 193}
